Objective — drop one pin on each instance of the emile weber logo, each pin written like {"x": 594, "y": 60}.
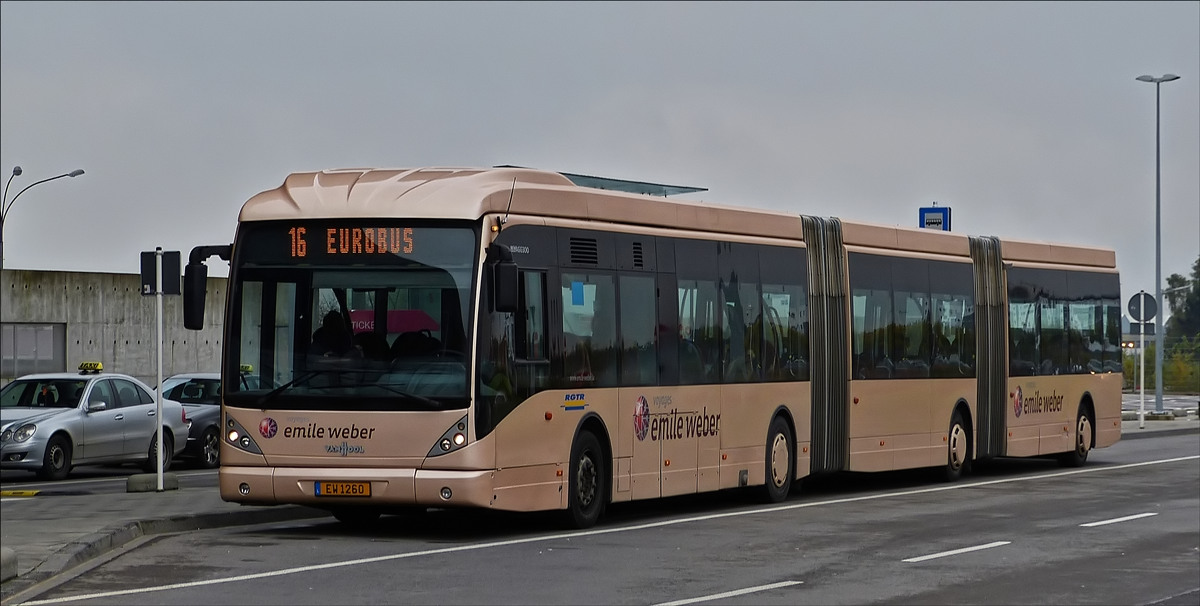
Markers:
{"x": 673, "y": 424}
{"x": 307, "y": 430}
{"x": 1036, "y": 403}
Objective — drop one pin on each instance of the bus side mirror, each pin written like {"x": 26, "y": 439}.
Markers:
{"x": 195, "y": 283}
{"x": 195, "y": 289}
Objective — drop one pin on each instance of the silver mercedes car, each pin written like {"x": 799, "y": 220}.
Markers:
{"x": 54, "y": 421}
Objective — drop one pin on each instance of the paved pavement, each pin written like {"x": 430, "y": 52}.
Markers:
{"x": 69, "y": 530}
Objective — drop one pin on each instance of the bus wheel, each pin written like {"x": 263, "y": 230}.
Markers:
{"x": 779, "y": 461}
{"x": 1083, "y": 443}
{"x": 958, "y": 449}
{"x": 586, "y": 494}
{"x": 356, "y": 517}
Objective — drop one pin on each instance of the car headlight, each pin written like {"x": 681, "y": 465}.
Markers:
{"x": 24, "y": 432}
{"x": 6, "y": 435}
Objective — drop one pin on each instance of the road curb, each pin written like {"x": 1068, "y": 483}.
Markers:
{"x": 8, "y": 564}
{"x": 1195, "y": 428}
{"x": 89, "y": 547}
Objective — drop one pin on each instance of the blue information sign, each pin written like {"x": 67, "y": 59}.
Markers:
{"x": 935, "y": 217}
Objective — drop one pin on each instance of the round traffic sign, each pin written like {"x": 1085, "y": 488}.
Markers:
{"x": 1142, "y": 307}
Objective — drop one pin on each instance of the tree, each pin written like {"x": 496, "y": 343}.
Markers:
{"x": 1184, "y": 305}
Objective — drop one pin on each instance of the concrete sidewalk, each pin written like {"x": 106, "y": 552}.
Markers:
{"x": 56, "y": 531}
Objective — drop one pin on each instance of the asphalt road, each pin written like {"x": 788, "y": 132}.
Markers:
{"x": 1125, "y": 529}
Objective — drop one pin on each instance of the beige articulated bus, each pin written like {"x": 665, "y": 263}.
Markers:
{"x": 526, "y": 340}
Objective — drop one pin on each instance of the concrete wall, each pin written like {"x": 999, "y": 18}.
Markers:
{"x": 109, "y": 320}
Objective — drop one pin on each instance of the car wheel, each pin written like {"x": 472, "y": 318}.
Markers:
{"x": 56, "y": 463}
{"x": 210, "y": 449}
{"x": 151, "y": 465}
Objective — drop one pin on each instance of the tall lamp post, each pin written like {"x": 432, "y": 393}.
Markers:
{"x": 1158, "y": 295}
{"x": 6, "y": 204}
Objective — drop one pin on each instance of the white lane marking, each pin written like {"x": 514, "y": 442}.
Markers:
{"x": 730, "y": 594}
{"x": 943, "y": 554}
{"x": 1115, "y": 520}
{"x": 588, "y": 533}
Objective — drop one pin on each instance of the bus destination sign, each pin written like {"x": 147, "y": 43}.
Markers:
{"x": 374, "y": 242}
{"x": 349, "y": 241}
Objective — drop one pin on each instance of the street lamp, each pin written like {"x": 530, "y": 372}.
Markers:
{"x": 6, "y": 205}
{"x": 1158, "y": 297}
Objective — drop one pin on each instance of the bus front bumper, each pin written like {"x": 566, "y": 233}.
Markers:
{"x": 387, "y": 487}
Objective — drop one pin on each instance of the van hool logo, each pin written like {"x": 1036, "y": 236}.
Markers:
{"x": 1017, "y": 402}
{"x": 641, "y": 418}
{"x": 345, "y": 449}
{"x": 267, "y": 427}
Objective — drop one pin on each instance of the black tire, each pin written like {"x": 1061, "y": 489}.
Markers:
{"x": 587, "y": 488}
{"x": 357, "y": 517}
{"x": 151, "y": 464}
{"x": 958, "y": 449}
{"x": 210, "y": 449}
{"x": 1083, "y": 442}
{"x": 780, "y": 468}
{"x": 56, "y": 463}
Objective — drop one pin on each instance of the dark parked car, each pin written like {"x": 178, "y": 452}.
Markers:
{"x": 200, "y": 395}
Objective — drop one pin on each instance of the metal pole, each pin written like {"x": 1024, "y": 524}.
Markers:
{"x": 5, "y": 206}
{"x": 1158, "y": 334}
{"x": 158, "y": 297}
{"x": 1158, "y": 322}
{"x": 1142, "y": 382}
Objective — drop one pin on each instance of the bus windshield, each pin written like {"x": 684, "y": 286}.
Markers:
{"x": 338, "y": 315}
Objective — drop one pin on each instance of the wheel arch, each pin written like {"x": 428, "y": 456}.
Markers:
{"x": 1087, "y": 406}
{"x": 66, "y": 434}
{"x": 964, "y": 410}
{"x": 593, "y": 423}
{"x": 785, "y": 413}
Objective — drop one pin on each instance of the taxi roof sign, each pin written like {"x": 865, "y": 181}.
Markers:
{"x": 246, "y": 368}
{"x": 86, "y": 367}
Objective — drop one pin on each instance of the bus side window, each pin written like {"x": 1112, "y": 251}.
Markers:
{"x": 638, "y": 346}
{"x": 589, "y": 330}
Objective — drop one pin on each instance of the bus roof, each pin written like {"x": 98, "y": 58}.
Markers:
{"x": 471, "y": 193}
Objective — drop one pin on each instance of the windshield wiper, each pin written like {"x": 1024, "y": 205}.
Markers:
{"x": 411, "y": 396}
{"x": 274, "y": 393}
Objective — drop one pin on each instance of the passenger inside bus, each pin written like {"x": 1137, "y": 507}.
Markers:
{"x": 373, "y": 345}
{"x": 333, "y": 337}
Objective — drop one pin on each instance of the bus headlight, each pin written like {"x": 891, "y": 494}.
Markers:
{"x": 452, "y": 440}
{"x": 237, "y": 435}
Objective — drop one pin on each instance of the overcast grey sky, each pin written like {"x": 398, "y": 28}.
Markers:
{"x": 1023, "y": 117}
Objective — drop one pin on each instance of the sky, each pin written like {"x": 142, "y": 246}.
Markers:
{"x": 1024, "y": 118}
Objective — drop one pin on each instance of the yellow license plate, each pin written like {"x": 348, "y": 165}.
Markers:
{"x": 342, "y": 489}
